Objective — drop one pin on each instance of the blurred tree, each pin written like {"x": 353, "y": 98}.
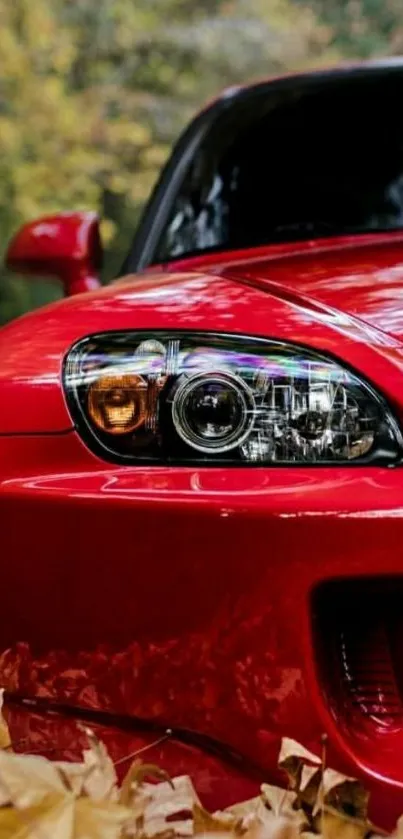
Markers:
{"x": 93, "y": 92}
{"x": 363, "y": 28}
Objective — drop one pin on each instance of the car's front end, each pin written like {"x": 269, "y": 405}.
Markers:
{"x": 201, "y": 465}
{"x": 202, "y": 526}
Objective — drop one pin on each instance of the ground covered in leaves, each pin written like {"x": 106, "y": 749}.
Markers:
{"x": 44, "y": 799}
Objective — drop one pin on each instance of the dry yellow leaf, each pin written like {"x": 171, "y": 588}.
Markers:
{"x": 40, "y": 799}
{"x": 141, "y": 771}
{"x": 129, "y": 788}
{"x": 98, "y": 819}
{"x": 5, "y": 739}
{"x": 72, "y": 774}
{"x": 398, "y": 832}
{"x": 243, "y": 808}
{"x": 205, "y": 822}
{"x": 333, "y": 825}
{"x": 245, "y": 811}
{"x": 25, "y": 780}
{"x": 219, "y": 834}
{"x": 283, "y": 803}
{"x": 64, "y": 817}
{"x": 100, "y": 780}
{"x": 279, "y": 800}
{"x": 278, "y": 827}
{"x": 52, "y": 819}
{"x": 169, "y": 806}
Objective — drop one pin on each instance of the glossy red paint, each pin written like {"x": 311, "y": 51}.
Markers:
{"x": 66, "y": 246}
{"x": 254, "y": 301}
{"x": 170, "y": 623}
{"x": 186, "y": 594}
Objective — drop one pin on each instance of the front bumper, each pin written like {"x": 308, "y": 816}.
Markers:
{"x": 185, "y": 596}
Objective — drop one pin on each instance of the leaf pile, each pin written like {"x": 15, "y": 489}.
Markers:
{"x": 44, "y": 799}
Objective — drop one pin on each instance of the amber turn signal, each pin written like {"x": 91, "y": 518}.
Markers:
{"x": 117, "y": 404}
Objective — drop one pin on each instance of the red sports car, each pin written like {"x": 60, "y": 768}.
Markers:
{"x": 201, "y": 495}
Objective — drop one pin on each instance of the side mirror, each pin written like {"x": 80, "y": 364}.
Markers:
{"x": 67, "y": 246}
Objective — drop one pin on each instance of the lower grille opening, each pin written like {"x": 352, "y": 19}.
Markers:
{"x": 358, "y": 637}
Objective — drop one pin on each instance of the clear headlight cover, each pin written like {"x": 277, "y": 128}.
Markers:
{"x": 190, "y": 398}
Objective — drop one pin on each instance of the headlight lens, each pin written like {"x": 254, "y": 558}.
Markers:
{"x": 209, "y": 398}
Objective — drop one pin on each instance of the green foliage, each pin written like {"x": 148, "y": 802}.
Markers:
{"x": 363, "y": 28}
{"x": 93, "y": 92}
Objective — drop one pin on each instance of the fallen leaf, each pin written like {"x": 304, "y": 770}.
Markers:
{"x": 244, "y": 809}
{"x": 129, "y": 787}
{"x": 65, "y": 818}
{"x": 141, "y": 771}
{"x": 310, "y": 780}
{"x": 219, "y": 834}
{"x": 293, "y": 757}
{"x": 342, "y": 794}
{"x": 278, "y": 827}
{"x": 52, "y": 819}
{"x": 165, "y": 807}
{"x": 100, "y": 780}
{"x": 5, "y": 739}
{"x": 279, "y": 800}
{"x": 205, "y": 822}
{"x": 72, "y": 774}
{"x": 283, "y": 802}
{"x": 98, "y": 820}
{"x": 334, "y": 825}
{"x": 253, "y": 812}
{"x": 25, "y": 780}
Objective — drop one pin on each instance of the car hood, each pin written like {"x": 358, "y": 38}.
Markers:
{"x": 361, "y": 276}
{"x": 345, "y": 302}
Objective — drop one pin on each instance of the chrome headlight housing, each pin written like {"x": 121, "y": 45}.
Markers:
{"x": 172, "y": 397}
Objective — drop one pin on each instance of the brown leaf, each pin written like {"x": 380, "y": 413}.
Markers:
{"x": 141, "y": 771}
{"x": 292, "y": 758}
{"x": 5, "y": 739}
{"x": 310, "y": 780}
{"x": 129, "y": 786}
{"x": 342, "y": 794}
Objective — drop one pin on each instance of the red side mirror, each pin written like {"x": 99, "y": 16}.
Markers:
{"x": 67, "y": 246}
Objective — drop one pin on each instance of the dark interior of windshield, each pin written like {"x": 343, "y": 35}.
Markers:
{"x": 305, "y": 163}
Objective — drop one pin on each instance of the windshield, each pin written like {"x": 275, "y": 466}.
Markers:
{"x": 294, "y": 164}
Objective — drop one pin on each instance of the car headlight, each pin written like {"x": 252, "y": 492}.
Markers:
{"x": 186, "y": 397}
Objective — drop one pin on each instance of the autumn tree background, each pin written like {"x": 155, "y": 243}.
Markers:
{"x": 94, "y": 92}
